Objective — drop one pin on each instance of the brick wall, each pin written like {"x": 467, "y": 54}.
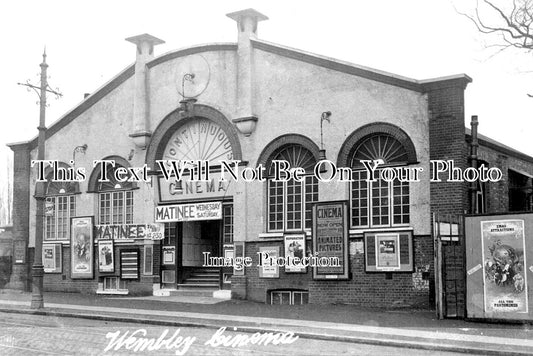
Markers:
{"x": 447, "y": 142}
{"x": 20, "y": 276}
{"x": 61, "y": 282}
{"x": 497, "y": 193}
{"x": 366, "y": 289}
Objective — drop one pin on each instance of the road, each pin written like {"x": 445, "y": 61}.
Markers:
{"x": 22, "y": 334}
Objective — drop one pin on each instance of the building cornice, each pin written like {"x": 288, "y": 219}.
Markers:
{"x": 209, "y": 47}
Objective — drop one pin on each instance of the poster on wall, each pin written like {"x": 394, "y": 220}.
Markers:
{"x": 388, "y": 252}
{"x": 106, "y": 258}
{"x": 52, "y": 258}
{"x": 169, "y": 255}
{"x": 330, "y": 239}
{"x": 504, "y": 261}
{"x": 81, "y": 247}
{"x": 19, "y": 251}
{"x": 294, "y": 253}
{"x": 268, "y": 267}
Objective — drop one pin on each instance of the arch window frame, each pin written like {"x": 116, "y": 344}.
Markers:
{"x": 289, "y": 203}
{"x": 115, "y": 199}
{"x": 63, "y": 197}
{"x": 378, "y": 204}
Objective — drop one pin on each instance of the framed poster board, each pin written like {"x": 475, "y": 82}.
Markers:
{"x": 169, "y": 255}
{"x": 389, "y": 251}
{"x": 330, "y": 240}
{"x": 129, "y": 264}
{"x": 295, "y": 249}
{"x": 19, "y": 251}
{"x": 52, "y": 258}
{"x": 268, "y": 268}
{"x": 503, "y": 249}
{"x": 106, "y": 258}
{"x": 81, "y": 247}
{"x": 499, "y": 268}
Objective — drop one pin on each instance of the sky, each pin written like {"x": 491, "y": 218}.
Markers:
{"x": 419, "y": 39}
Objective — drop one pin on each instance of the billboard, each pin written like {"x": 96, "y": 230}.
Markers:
{"x": 499, "y": 252}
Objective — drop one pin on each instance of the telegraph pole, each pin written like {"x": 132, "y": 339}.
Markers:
{"x": 37, "y": 268}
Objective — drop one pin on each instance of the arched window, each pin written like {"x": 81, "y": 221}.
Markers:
{"x": 379, "y": 203}
{"x": 60, "y": 207}
{"x": 115, "y": 200}
{"x": 289, "y": 203}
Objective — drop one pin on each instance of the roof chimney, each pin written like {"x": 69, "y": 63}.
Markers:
{"x": 247, "y": 20}
{"x": 145, "y": 51}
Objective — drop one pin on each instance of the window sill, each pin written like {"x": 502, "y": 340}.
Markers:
{"x": 384, "y": 229}
{"x": 112, "y": 292}
{"x": 275, "y": 235}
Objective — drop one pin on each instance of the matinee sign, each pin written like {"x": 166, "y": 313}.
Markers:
{"x": 189, "y": 212}
{"x": 330, "y": 238}
{"x": 130, "y": 232}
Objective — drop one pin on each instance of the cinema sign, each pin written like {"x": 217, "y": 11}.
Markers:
{"x": 172, "y": 191}
{"x": 189, "y": 212}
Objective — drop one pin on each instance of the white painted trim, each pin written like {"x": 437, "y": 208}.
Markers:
{"x": 112, "y": 292}
{"x": 381, "y": 229}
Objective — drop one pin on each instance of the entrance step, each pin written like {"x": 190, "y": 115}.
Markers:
{"x": 194, "y": 292}
{"x": 201, "y": 279}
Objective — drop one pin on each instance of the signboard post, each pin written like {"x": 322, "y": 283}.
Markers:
{"x": 330, "y": 238}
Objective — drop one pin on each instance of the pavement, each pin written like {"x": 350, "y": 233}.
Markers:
{"x": 397, "y": 327}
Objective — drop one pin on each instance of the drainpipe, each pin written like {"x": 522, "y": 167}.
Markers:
{"x": 473, "y": 162}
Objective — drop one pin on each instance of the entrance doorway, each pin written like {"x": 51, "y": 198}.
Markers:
{"x": 183, "y": 247}
{"x": 182, "y": 260}
{"x": 199, "y": 237}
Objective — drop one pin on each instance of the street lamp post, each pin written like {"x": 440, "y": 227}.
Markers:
{"x": 37, "y": 301}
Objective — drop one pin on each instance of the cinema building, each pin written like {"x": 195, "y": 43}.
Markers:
{"x": 256, "y": 102}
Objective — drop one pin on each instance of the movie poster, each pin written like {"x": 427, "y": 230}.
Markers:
{"x": 330, "y": 239}
{"x": 268, "y": 267}
{"x": 294, "y": 253}
{"x": 49, "y": 258}
{"x": 387, "y": 246}
{"x": 169, "y": 255}
{"x": 106, "y": 258}
{"x": 504, "y": 261}
{"x": 81, "y": 247}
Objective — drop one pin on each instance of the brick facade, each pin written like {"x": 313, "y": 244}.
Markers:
{"x": 362, "y": 288}
{"x": 276, "y": 99}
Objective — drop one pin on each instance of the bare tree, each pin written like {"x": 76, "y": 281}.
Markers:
{"x": 512, "y": 23}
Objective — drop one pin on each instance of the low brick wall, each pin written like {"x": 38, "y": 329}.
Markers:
{"x": 365, "y": 289}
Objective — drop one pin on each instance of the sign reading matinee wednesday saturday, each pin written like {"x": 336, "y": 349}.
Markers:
{"x": 189, "y": 212}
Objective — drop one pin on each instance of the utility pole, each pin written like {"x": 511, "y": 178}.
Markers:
{"x": 37, "y": 268}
